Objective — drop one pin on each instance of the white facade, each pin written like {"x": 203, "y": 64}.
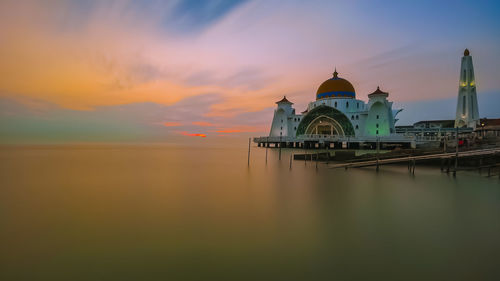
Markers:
{"x": 285, "y": 121}
{"x": 375, "y": 118}
{"x": 467, "y": 109}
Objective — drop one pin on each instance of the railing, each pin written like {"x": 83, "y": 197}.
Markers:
{"x": 336, "y": 138}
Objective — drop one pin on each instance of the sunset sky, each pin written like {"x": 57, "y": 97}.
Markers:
{"x": 159, "y": 71}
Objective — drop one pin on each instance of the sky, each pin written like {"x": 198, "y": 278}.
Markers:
{"x": 187, "y": 70}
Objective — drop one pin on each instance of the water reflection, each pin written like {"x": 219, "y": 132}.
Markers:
{"x": 161, "y": 212}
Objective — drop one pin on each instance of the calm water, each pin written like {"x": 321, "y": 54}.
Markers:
{"x": 194, "y": 213}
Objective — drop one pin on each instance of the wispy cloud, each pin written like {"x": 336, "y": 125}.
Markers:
{"x": 172, "y": 124}
{"x": 203, "y": 124}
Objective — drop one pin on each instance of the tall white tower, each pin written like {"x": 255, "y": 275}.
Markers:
{"x": 467, "y": 109}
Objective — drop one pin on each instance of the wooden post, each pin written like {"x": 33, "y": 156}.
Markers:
{"x": 280, "y": 148}
{"x": 249, "y": 139}
{"x": 267, "y": 146}
{"x": 378, "y": 147}
{"x": 317, "y": 159}
{"x": 291, "y": 155}
{"x": 456, "y": 154}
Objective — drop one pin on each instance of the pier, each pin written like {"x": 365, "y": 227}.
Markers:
{"x": 412, "y": 159}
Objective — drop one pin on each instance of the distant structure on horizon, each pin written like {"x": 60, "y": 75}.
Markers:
{"x": 467, "y": 109}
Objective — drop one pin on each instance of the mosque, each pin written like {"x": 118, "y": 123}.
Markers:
{"x": 337, "y": 118}
{"x": 337, "y": 112}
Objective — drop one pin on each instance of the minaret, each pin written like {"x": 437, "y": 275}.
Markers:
{"x": 467, "y": 109}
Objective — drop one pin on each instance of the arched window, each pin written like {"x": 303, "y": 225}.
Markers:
{"x": 347, "y": 105}
{"x": 463, "y": 105}
{"x": 357, "y": 117}
{"x": 358, "y": 104}
{"x": 357, "y": 127}
{"x": 377, "y": 116}
{"x": 377, "y": 125}
{"x": 335, "y": 104}
{"x": 352, "y": 117}
{"x": 377, "y": 132}
{"x": 465, "y": 75}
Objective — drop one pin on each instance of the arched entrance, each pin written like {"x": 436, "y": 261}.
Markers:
{"x": 324, "y": 125}
{"x": 325, "y": 120}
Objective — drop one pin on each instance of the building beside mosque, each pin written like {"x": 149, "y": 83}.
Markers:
{"x": 467, "y": 110}
{"x": 337, "y": 112}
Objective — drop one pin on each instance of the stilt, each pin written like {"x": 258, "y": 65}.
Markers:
{"x": 249, "y": 139}
{"x": 456, "y": 154}
{"x": 267, "y": 146}
{"x": 280, "y": 149}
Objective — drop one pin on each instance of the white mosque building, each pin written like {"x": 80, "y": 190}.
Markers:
{"x": 337, "y": 113}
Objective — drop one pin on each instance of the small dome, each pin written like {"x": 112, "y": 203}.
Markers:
{"x": 378, "y": 92}
{"x": 335, "y": 87}
{"x": 466, "y": 53}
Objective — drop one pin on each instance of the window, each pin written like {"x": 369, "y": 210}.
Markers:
{"x": 357, "y": 127}
{"x": 295, "y": 128}
{"x": 335, "y": 104}
{"x": 377, "y": 132}
{"x": 463, "y": 104}
{"x": 377, "y": 125}
{"x": 465, "y": 75}
{"x": 347, "y": 103}
{"x": 357, "y": 117}
{"x": 377, "y": 116}
{"x": 352, "y": 117}
{"x": 358, "y": 104}
{"x": 281, "y": 120}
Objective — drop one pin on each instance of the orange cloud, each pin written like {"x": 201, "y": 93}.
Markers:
{"x": 172, "y": 124}
{"x": 203, "y": 124}
{"x": 184, "y": 133}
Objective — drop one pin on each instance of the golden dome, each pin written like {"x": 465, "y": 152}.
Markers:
{"x": 335, "y": 87}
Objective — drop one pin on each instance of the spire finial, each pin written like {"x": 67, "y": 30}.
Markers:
{"x": 335, "y": 73}
{"x": 466, "y": 53}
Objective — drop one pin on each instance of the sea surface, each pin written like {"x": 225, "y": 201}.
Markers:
{"x": 179, "y": 212}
